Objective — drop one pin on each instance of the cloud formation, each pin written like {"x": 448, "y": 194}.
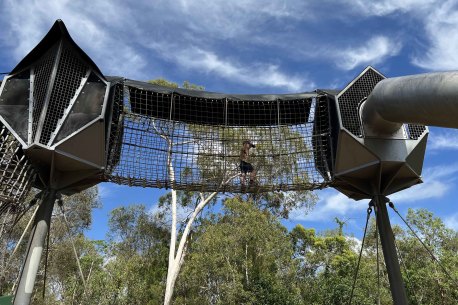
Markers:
{"x": 443, "y": 140}
{"x": 118, "y": 39}
{"x": 438, "y": 21}
{"x": 452, "y": 221}
{"x": 441, "y": 26}
{"x": 439, "y": 180}
{"x": 114, "y": 33}
{"x": 373, "y": 52}
{"x": 256, "y": 74}
{"x": 93, "y": 25}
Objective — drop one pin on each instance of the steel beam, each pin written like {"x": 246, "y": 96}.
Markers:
{"x": 37, "y": 239}
{"x": 389, "y": 252}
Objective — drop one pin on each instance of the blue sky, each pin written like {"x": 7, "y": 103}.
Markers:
{"x": 254, "y": 46}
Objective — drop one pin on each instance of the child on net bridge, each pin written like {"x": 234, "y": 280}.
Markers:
{"x": 245, "y": 165}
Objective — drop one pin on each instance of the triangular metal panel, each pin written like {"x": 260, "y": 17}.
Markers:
{"x": 91, "y": 137}
{"x": 349, "y": 190}
{"x": 67, "y": 181}
{"x": 351, "y": 154}
{"x": 417, "y": 155}
{"x": 364, "y": 179}
{"x": 14, "y": 104}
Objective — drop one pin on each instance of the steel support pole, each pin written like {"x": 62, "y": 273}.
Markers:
{"x": 35, "y": 249}
{"x": 389, "y": 252}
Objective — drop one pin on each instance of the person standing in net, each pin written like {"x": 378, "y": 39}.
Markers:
{"x": 245, "y": 165}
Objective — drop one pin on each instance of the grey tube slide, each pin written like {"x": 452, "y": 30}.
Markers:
{"x": 427, "y": 99}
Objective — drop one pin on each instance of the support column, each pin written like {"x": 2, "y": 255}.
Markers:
{"x": 389, "y": 252}
{"x": 35, "y": 249}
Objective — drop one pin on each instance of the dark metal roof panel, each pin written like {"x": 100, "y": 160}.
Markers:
{"x": 56, "y": 33}
{"x": 215, "y": 95}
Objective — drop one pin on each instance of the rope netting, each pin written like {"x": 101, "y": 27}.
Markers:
{"x": 193, "y": 140}
{"x": 16, "y": 174}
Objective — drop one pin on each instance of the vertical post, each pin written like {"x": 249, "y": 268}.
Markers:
{"x": 389, "y": 252}
{"x": 35, "y": 249}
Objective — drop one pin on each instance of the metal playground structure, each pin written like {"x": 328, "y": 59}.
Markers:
{"x": 65, "y": 127}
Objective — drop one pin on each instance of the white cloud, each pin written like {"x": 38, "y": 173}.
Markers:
{"x": 235, "y": 18}
{"x": 113, "y": 34}
{"x": 441, "y": 25}
{"x": 443, "y": 140}
{"x": 373, "y": 52}
{"x": 254, "y": 74}
{"x": 94, "y": 25}
{"x": 427, "y": 190}
{"x": 108, "y": 190}
{"x": 437, "y": 182}
{"x": 330, "y": 205}
{"x": 452, "y": 221}
{"x": 387, "y": 7}
{"x": 437, "y": 21}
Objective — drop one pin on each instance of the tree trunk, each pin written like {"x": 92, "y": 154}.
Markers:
{"x": 176, "y": 259}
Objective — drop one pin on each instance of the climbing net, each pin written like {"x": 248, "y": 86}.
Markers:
{"x": 192, "y": 140}
{"x": 16, "y": 174}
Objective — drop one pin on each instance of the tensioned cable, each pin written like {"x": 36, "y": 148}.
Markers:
{"x": 378, "y": 257}
{"x": 46, "y": 262}
{"x": 369, "y": 211}
{"x": 32, "y": 218}
{"x": 73, "y": 245}
{"x": 38, "y": 196}
{"x": 391, "y": 204}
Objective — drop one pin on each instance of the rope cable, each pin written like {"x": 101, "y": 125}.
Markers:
{"x": 46, "y": 262}
{"x": 8, "y": 264}
{"x": 369, "y": 211}
{"x": 378, "y": 257}
{"x": 391, "y": 204}
{"x": 73, "y": 245}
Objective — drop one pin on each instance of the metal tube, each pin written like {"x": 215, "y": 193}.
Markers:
{"x": 35, "y": 249}
{"x": 389, "y": 252}
{"x": 427, "y": 99}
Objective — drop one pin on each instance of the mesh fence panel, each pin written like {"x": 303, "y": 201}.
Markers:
{"x": 42, "y": 72}
{"x": 415, "y": 131}
{"x": 350, "y": 98}
{"x": 70, "y": 71}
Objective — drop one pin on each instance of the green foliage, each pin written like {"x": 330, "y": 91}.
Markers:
{"x": 61, "y": 262}
{"x": 233, "y": 260}
{"x": 165, "y": 83}
{"x": 242, "y": 255}
{"x": 425, "y": 279}
{"x": 191, "y": 86}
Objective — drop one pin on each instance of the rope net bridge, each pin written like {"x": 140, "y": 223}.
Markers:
{"x": 199, "y": 136}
